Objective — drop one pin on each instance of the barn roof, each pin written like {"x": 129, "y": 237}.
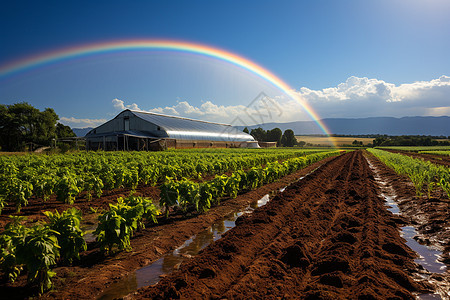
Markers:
{"x": 183, "y": 128}
{"x": 191, "y": 129}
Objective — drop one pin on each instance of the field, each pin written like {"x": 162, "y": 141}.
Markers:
{"x": 325, "y": 141}
{"x": 224, "y": 223}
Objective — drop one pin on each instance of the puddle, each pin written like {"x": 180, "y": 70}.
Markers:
{"x": 88, "y": 233}
{"x": 429, "y": 296}
{"x": 429, "y": 257}
{"x": 392, "y": 206}
{"x": 152, "y": 273}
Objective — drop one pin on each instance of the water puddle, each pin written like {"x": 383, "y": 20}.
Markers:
{"x": 151, "y": 274}
{"x": 428, "y": 257}
{"x": 89, "y": 233}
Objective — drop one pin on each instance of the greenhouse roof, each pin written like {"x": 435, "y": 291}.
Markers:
{"x": 190, "y": 129}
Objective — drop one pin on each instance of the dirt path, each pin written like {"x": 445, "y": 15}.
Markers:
{"x": 96, "y": 273}
{"x": 328, "y": 236}
{"x": 435, "y": 159}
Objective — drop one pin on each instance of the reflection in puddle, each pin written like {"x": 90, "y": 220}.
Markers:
{"x": 151, "y": 274}
{"x": 428, "y": 256}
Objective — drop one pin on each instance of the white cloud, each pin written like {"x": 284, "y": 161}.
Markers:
{"x": 119, "y": 104}
{"x": 81, "y": 123}
{"x": 356, "y": 97}
{"x": 364, "y": 97}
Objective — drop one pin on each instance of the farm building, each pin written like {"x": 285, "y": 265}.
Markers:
{"x": 137, "y": 130}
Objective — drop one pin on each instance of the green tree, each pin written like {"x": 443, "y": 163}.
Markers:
{"x": 21, "y": 124}
{"x": 246, "y": 130}
{"x": 259, "y": 134}
{"x": 288, "y": 139}
{"x": 63, "y": 131}
{"x": 275, "y": 135}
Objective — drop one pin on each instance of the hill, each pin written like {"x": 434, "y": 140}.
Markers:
{"x": 80, "y": 132}
{"x": 435, "y": 126}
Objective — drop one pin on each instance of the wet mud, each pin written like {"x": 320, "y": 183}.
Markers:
{"x": 328, "y": 236}
{"x": 94, "y": 274}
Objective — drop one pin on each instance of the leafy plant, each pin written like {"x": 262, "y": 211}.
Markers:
{"x": 116, "y": 226}
{"x": 70, "y": 237}
{"x": 38, "y": 251}
{"x": 14, "y": 234}
{"x": 67, "y": 189}
{"x": 169, "y": 195}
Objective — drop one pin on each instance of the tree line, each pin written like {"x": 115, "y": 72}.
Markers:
{"x": 286, "y": 139}
{"x": 408, "y": 140}
{"x": 24, "y": 127}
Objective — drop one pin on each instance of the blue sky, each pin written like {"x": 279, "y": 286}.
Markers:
{"x": 345, "y": 58}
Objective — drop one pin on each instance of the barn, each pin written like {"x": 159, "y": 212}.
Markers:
{"x": 138, "y": 130}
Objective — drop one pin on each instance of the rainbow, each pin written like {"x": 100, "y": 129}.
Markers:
{"x": 169, "y": 45}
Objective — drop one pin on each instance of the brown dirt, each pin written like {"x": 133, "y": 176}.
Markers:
{"x": 435, "y": 159}
{"x": 95, "y": 273}
{"x": 430, "y": 217}
{"x": 328, "y": 236}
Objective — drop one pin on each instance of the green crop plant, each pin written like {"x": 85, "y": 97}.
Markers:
{"x": 419, "y": 171}
{"x": 93, "y": 184}
{"x": 19, "y": 192}
{"x": 67, "y": 189}
{"x": 116, "y": 226}
{"x": 70, "y": 237}
{"x": 39, "y": 252}
{"x": 34, "y": 249}
{"x": 169, "y": 195}
{"x": 13, "y": 234}
{"x": 149, "y": 210}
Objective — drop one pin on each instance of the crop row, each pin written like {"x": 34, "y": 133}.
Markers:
{"x": 39, "y": 248}
{"x": 425, "y": 175}
{"x": 416, "y": 148}
{"x": 190, "y": 195}
{"x": 22, "y": 177}
{"x": 445, "y": 153}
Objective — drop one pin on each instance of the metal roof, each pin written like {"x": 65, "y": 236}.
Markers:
{"x": 190, "y": 129}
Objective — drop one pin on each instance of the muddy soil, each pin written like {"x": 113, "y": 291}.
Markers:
{"x": 435, "y": 159}
{"x": 328, "y": 236}
{"x": 430, "y": 217}
{"x": 95, "y": 273}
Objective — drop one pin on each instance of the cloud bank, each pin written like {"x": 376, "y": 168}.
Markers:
{"x": 81, "y": 123}
{"x": 364, "y": 97}
{"x": 357, "y": 97}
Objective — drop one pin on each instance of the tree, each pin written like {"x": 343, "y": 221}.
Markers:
{"x": 63, "y": 131}
{"x": 246, "y": 130}
{"x": 21, "y": 124}
{"x": 275, "y": 135}
{"x": 259, "y": 134}
{"x": 288, "y": 139}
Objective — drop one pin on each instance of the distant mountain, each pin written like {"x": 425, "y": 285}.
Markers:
{"x": 435, "y": 126}
{"x": 80, "y": 132}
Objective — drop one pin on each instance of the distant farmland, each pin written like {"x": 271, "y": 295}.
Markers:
{"x": 325, "y": 141}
